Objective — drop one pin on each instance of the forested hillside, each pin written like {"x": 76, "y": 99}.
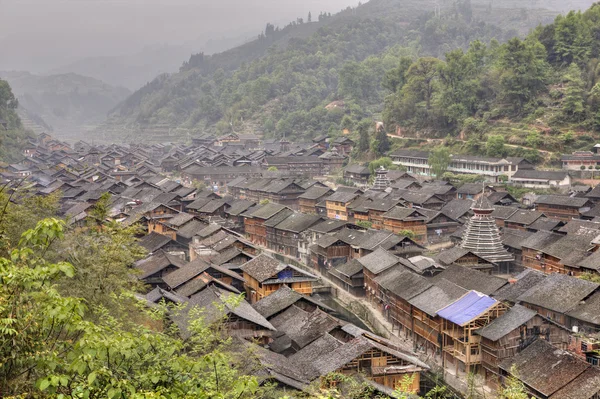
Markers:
{"x": 542, "y": 92}
{"x": 281, "y": 83}
{"x": 12, "y": 134}
{"x": 66, "y": 102}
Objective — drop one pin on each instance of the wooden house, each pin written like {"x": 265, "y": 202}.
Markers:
{"x": 281, "y": 300}
{"x": 156, "y": 267}
{"x": 520, "y": 219}
{"x": 308, "y": 201}
{"x": 464, "y": 258}
{"x": 337, "y": 204}
{"x": 398, "y": 219}
{"x": 287, "y": 233}
{"x": 254, "y": 221}
{"x": 556, "y": 295}
{"x": 426, "y": 323}
{"x": 551, "y": 373}
{"x": 181, "y": 280}
{"x": 342, "y": 144}
{"x": 376, "y": 264}
{"x": 394, "y": 291}
{"x": 357, "y": 174}
{"x": 555, "y": 253}
{"x": 350, "y": 277}
{"x": 329, "y": 251}
{"x": 240, "y": 318}
{"x": 376, "y": 209}
{"x": 460, "y": 321}
{"x": 562, "y": 207}
{"x": 512, "y": 332}
{"x": 264, "y": 275}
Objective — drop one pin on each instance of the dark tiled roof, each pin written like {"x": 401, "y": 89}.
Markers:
{"x": 558, "y": 292}
{"x": 341, "y": 196}
{"x": 457, "y": 208}
{"x": 503, "y": 212}
{"x": 439, "y": 295}
{"x": 282, "y": 299}
{"x": 545, "y": 224}
{"x": 181, "y": 276}
{"x": 403, "y": 283}
{"x": 513, "y": 238}
{"x": 239, "y": 206}
{"x": 350, "y": 269}
{"x": 303, "y": 327}
{"x": 268, "y": 210}
{"x": 588, "y": 310}
{"x": 545, "y": 368}
{"x": 157, "y": 262}
{"x": 539, "y": 174}
{"x": 585, "y": 386}
{"x": 191, "y": 229}
{"x": 262, "y": 267}
{"x": 298, "y": 222}
{"x": 562, "y": 200}
{"x": 470, "y": 279}
{"x": 509, "y": 321}
{"x": 378, "y": 261}
{"x": 524, "y": 217}
{"x": 154, "y": 241}
{"x": 328, "y": 225}
{"x": 525, "y": 280}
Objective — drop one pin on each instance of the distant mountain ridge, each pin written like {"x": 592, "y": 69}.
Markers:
{"x": 280, "y": 83}
{"x": 65, "y": 102}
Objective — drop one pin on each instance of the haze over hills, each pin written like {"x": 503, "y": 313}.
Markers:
{"x": 65, "y": 103}
{"x": 281, "y": 83}
{"x": 116, "y": 40}
{"x": 135, "y": 70}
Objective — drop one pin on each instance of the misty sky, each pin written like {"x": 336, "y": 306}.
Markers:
{"x": 39, "y": 34}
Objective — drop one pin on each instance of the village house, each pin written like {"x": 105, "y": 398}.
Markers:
{"x": 342, "y": 144}
{"x": 562, "y": 207}
{"x": 542, "y": 179}
{"x": 308, "y": 201}
{"x": 401, "y": 219}
{"x": 461, "y": 321}
{"x": 426, "y": 323}
{"x": 241, "y": 319}
{"x": 357, "y": 174}
{"x": 308, "y": 166}
{"x": 556, "y": 295}
{"x": 518, "y": 219}
{"x": 493, "y": 169}
{"x": 550, "y": 373}
{"x": 264, "y": 275}
{"x": 579, "y": 159}
{"x": 512, "y": 332}
{"x": 337, "y": 203}
{"x": 254, "y": 221}
{"x": 349, "y": 276}
{"x": 156, "y": 267}
{"x": 288, "y": 233}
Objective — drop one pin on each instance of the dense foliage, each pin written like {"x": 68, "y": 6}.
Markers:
{"x": 286, "y": 91}
{"x": 12, "y": 135}
{"x": 549, "y": 80}
{"x": 71, "y": 328}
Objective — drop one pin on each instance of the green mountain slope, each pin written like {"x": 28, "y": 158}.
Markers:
{"x": 281, "y": 83}
{"x": 13, "y": 137}
{"x": 66, "y": 102}
{"x": 540, "y": 93}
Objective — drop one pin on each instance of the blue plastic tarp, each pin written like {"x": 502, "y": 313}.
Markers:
{"x": 469, "y": 307}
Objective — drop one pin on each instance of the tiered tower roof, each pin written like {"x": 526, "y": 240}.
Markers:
{"x": 482, "y": 235}
{"x": 381, "y": 180}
